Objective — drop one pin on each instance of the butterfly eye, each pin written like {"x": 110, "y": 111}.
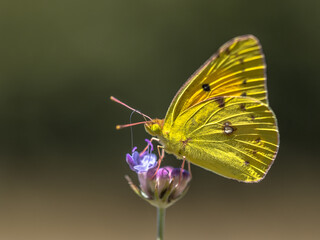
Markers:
{"x": 154, "y": 129}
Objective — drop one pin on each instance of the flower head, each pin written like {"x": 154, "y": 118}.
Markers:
{"x": 161, "y": 187}
{"x": 164, "y": 187}
{"x": 142, "y": 162}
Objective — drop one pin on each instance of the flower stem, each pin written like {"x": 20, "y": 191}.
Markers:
{"x": 161, "y": 214}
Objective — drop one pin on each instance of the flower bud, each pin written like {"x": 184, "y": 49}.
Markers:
{"x": 164, "y": 187}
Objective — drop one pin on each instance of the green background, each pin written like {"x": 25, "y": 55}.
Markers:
{"x": 62, "y": 163}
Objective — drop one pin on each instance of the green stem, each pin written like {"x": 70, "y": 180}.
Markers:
{"x": 161, "y": 214}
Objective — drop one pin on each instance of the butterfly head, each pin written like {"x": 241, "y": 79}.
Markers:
{"x": 154, "y": 127}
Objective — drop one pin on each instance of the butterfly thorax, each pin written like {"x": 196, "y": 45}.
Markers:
{"x": 171, "y": 142}
{"x": 155, "y": 128}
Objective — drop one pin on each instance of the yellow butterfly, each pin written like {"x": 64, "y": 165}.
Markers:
{"x": 220, "y": 119}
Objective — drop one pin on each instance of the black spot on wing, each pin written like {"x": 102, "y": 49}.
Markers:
{"x": 220, "y": 101}
{"x": 206, "y": 87}
{"x": 227, "y": 51}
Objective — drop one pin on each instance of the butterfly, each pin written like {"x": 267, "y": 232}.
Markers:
{"x": 220, "y": 118}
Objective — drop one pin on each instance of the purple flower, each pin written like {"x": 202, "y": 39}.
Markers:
{"x": 164, "y": 187}
{"x": 160, "y": 187}
{"x": 142, "y": 162}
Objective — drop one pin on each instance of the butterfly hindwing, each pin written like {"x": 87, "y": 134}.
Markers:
{"x": 237, "y": 139}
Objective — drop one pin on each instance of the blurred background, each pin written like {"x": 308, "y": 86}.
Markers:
{"x": 62, "y": 163}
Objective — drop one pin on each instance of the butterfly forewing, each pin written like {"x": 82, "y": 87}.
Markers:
{"x": 237, "y": 69}
{"x": 238, "y": 140}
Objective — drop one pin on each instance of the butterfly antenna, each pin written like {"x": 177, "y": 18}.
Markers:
{"x": 118, "y": 127}
{"x": 123, "y": 104}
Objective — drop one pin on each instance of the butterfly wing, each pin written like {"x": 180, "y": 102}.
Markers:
{"x": 238, "y": 141}
{"x": 237, "y": 69}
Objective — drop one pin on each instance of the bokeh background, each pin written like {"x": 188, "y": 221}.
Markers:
{"x": 62, "y": 163}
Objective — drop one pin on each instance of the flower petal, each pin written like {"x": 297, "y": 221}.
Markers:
{"x": 134, "y": 149}
{"x": 130, "y": 161}
{"x": 181, "y": 180}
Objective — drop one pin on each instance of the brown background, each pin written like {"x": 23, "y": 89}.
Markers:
{"x": 62, "y": 163}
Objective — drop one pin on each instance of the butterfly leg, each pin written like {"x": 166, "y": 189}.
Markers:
{"x": 161, "y": 156}
{"x": 183, "y": 162}
{"x": 150, "y": 141}
{"x": 189, "y": 168}
{"x": 182, "y": 167}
